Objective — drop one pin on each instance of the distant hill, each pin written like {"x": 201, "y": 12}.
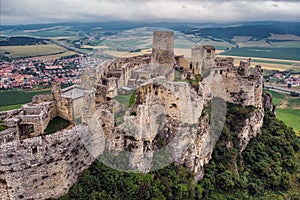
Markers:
{"x": 116, "y": 25}
{"x": 255, "y": 30}
{"x": 226, "y": 31}
{"x": 21, "y": 41}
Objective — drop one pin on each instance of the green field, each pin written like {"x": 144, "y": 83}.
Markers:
{"x": 294, "y": 103}
{"x": 275, "y": 53}
{"x": 290, "y": 117}
{"x": 287, "y": 44}
{"x": 9, "y": 98}
{"x": 126, "y": 100}
{"x": 124, "y": 43}
{"x": 11, "y": 107}
{"x": 274, "y": 62}
{"x": 288, "y": 109}
{"x": 277, "y": 96}
{"x": 32, "y": 50}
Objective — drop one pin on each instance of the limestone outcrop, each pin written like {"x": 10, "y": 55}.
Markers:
{"x": 267, "y": 102}
{"x": 168, "y": 121}
{"x": 251, "y": 128}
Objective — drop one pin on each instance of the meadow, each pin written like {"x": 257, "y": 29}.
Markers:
{"x": 10, "y": 107}
{"x": 277, "y": 97}
{"x": 269, "y": 63}
{"x": 17, "y": 98}
{"x": 275, "y": 53}
{"x": 286, "y": 44}
{"x": 288, "y": 109}
{"x": 32, "y": 50}
{"x": 126, "y": 100}
{"x": 54, "y": 56}
{"x": 290, "y": 117}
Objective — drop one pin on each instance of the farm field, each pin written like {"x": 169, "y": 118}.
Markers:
{"x": 54, "y": 56}
{"x": 290, "y": 117}
{"x": 277, "y": 96}
{"x": 287, "y": 109}
{"x": 8, "y": 98}
{"x": 269, "y": 63}
{"x": 32, "y": 50}
{"x": 94, "y": 47}
{"x": 294, "y": 103}
{"x": 275, "y": 53}
{"x": 286, "y": 44}
{"x": 11, "y": 107}
{"x": 257, "y": 43}
{"x": 122, "y": 54}
{"x": 126, "y": 44}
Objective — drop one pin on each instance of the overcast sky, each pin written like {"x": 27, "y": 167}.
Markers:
{"x": 44, "y": 11}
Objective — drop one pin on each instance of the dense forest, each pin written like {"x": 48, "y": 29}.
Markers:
{"x": 269, "y": 168}
{"x": 21, "y": 41}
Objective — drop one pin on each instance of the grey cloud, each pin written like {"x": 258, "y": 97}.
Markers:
{"x": 38, "y": 11}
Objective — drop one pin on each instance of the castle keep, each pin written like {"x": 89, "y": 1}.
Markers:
{"x": 163, "y": 48}
{"x": 37, "y": 165}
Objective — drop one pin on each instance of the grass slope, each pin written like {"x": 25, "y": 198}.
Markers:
{"x": 32, "y": 50}
{"x": 11, "y": 107}
{"x": 288, "y": 109}
{"x": 276, "y": 53}
{"x": 277, "y": 96}
{"x": 126, "y": 100}
{"x": 290, "y": 117}
{"x": 8, "y": 98}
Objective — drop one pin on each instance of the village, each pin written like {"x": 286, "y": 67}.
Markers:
{"x": 285, "y": 78}
{"x": 29, "y": 73}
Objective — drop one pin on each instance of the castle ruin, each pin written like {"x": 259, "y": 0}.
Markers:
{"x": 36, "y": 165}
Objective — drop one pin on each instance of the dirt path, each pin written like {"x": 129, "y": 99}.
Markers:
{"x": 283, "y": 103}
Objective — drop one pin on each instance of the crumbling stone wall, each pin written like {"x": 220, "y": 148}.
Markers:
{"x": 65, "y": 108}
{"x": 240, "y": 86}
{"x": 43, "y": 167}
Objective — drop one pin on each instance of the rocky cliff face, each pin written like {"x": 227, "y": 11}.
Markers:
{"x": 169, "y": 122}
{"x": 267, "y": 102}
{"x": 173, "y": 119}
{"x": 165, "y": 112}
{"x": 251, "y": 128}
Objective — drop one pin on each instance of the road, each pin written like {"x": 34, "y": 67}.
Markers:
{"x": 68, "y": 47}
{"x": 281, "y": 89}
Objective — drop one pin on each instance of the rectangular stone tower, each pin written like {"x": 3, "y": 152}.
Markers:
{"x": 163, "y": 48}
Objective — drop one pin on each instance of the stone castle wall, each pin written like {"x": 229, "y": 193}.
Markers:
{"x": 42, "y": 167}
{"x": 47, "y": 166}
{"x": 243, "y": 90}
{"x": 65, "y": 108}
{"x": 240, "y": 86}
